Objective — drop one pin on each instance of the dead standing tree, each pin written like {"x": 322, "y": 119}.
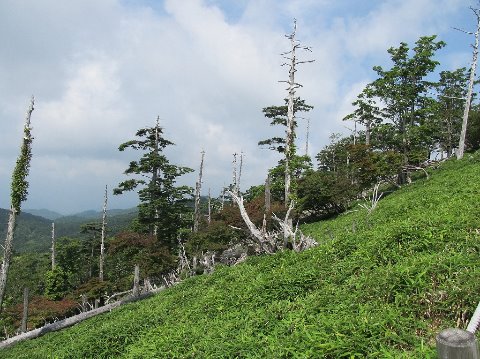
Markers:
{"x": 18, "y": 194}
{"x": 209, "y": 215}
{"x": 234, "y": 174}
{"x": 271, "y": 242}
{"x": 198, "y": 188}
{"x": 102, "y": 241}
{"x": 53, "y": 245}
{"x": 291, "y": 57}
{"x": 463, "y": 133}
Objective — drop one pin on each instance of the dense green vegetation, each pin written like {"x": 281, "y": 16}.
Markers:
{"x": 379, "y": 285}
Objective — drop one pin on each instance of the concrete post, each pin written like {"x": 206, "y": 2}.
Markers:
{"x": 454, "y": 343}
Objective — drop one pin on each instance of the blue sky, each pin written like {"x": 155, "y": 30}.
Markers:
{"x": 100, "y": 70}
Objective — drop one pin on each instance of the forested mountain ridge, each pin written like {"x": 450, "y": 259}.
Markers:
{"x": 45, "y": 213}
{"x": 378, "y": 285}
{"x": 34, "y": 233}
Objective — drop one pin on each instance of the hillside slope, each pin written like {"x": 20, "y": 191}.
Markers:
{"x": 378, "y": 286}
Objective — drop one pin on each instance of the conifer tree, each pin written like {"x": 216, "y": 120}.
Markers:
{"x": 162, "y": 208}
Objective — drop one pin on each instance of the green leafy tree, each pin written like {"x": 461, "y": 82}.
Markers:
{"x": 163, "y": 205}
{"x": 128, "y": 249}
{"x": 323, "y": 193}
{"x": 403, "y": 90}
{"x": 367, "y": 112}
{"x": 334, "y": 157}
{"x": 344, "y": 170}
{"x": 57, "y": 283}
{"x": 473, "y": 132}
{"x": 447, "y": 123}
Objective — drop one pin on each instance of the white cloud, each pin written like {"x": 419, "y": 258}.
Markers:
{"x": 102, "y": 70}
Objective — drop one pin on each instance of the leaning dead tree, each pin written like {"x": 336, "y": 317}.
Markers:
{"x": 292, "y": 62}
{"x": 18, "y": 194}
{"x": 102, "y": 241}
{"x": 198, "y": 188}
{"x": 271, "y": 242}
{"x": 468, "y": 100}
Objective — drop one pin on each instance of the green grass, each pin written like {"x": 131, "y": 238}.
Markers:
{"x": 380, "y": 286}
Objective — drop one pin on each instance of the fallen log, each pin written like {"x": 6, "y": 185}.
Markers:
{"x": 68, "y": 322}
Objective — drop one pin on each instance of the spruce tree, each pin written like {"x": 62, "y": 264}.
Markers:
{"x": 163, "y": 205}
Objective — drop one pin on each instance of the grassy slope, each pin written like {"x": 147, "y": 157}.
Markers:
{"x": 381, "y": 286}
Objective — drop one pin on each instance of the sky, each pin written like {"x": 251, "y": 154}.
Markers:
{"x": 102, "y": 69}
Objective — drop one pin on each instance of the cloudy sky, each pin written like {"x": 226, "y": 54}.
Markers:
{"x": 101, "y": 69}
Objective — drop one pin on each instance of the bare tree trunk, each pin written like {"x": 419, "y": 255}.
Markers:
{"x": 7, "y": 253}
{"x": 463, "y": 133}
{"x": 268, "y": 196}
{"x": 209, "y": 217}
{"x": 291, "y": 56}
{"x": 223, "y": 197}
{"x": 25, "y": 310}
{"x": 102, "y": 241}
{"x": 198, "y": 189}
{"x": 234, "y": 174}
{"x": 240, "y": 172}
{"x": 18, "y": 195}
{"x": 308, "y": 135}
{"x": 290, "y": 119}
{"x": 92, "y": 250}
{"x": 53, "y": 245}
{"x": 136, "y": 281}
{"x": 155, "y": 174}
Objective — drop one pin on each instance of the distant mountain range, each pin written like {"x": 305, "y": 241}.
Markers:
{"x": 45, "y": 213}
{"x": 34, "y": 226}
{"x": 91, "y": 214}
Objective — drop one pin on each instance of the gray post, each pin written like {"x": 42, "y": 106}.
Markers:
{"x": 454, "y": 343}
{"x": 136, "y": 281}
{"x": 25, "y": 310}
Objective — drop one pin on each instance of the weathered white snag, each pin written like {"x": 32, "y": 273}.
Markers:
{"x": 102, "y": 242}
{"x": 291, "y": 57}
{"x": 198, "y": 188}
{"x": 271, "y": 242}
{"x": 53, "y": 245}
{"x": 463, "y": 133}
